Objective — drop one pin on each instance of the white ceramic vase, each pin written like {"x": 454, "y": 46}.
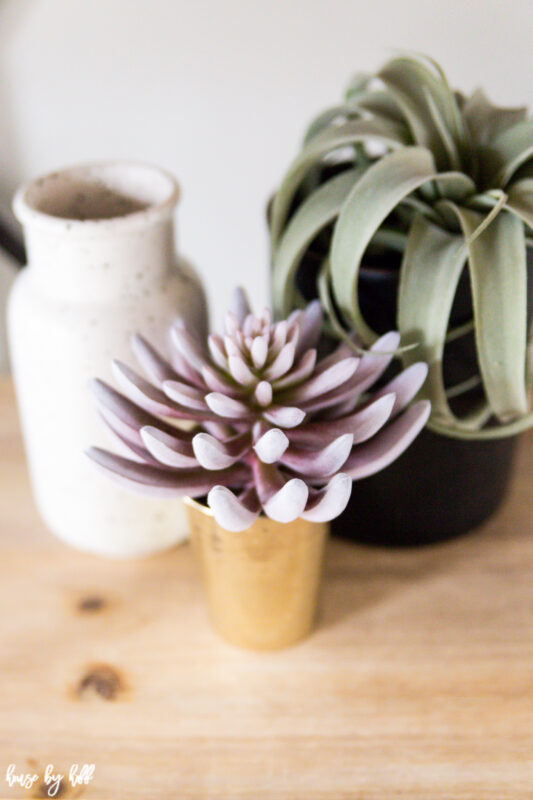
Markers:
{"x": 101, "y": 265}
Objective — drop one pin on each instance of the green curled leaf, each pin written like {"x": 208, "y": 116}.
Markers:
{"x": 329, "y": 141}
{"x": 520, "y": 200}
{"x": 500, "y": 431}
{"x": 329, "y": 116}
{"x": 510, "y": 150}
{"x": 382, "y": 187}
{"x": 498, "y": 276}
{"x": 321, "y": 208}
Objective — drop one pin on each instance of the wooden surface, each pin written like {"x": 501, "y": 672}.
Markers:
{"x": 418, "y": 682}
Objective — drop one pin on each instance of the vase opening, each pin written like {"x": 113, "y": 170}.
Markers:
{"x": 97, "y": 192}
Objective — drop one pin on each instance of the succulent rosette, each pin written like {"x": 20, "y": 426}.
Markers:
{"x": 273, "y": 430}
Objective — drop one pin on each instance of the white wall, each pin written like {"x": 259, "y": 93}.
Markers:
{"x": 218, "y": 91}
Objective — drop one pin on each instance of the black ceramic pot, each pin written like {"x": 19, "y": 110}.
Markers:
{"x": 440, "y": 487}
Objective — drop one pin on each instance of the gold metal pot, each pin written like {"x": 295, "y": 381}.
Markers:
{"x": 262, "y": 584}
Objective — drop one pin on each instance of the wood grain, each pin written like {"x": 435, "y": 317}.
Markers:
{"x": 418, "y": 682}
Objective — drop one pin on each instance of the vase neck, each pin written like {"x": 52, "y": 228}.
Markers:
{"x": 99, "y": 232}
{"x": 76, "y": 267}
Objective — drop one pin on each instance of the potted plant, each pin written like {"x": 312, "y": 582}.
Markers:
{"x": 411, "y": 205}
{"x": 274, "y": 440}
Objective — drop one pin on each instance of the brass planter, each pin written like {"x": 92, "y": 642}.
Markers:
{"x": 262, "y": 584}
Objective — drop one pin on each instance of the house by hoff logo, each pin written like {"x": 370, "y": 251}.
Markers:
{"x": 52, "y": 780}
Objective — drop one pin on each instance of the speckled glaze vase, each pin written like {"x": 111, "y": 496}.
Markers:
{"x": 101, "y": 265}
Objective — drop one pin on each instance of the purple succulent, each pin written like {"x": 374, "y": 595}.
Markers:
{"x": 274, "y": 431}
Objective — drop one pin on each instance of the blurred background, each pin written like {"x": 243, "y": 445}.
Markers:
{"x": 220, "y": 92}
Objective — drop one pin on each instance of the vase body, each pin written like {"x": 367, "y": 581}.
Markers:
{"x": 262, "y": 584}
{"x": 101, "y": 265}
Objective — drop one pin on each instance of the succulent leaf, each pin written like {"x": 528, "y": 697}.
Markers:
{"x": 271, "y": 445}
{"x": 383, "y": 449}
{"x": 320, "y": 463}
{"x": 327, "y": 503}
{"x": 230, "y": 512}
{"x": 168, "y": 450}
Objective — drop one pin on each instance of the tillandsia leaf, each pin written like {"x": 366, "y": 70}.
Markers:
{"x": 520, "y": 201}
{"x": 410, "y": 82}
{"x": 500, "y": 431}
{"x": 350, "y": 133}
{"x": 510, "y": 150}
{"x": 499, "y": 202}
{"x": 449, "y": 144}
{"x": 485, "y": 121}
{"x": 321, "y": 208}
{"x": 340, "y": 113}
{"x": 334, "y": 325}
{"x": 414, "y": 203}
{"x": 372, "y": 199}
{"x": 357, "y": 85}
{"x": 382, "y": 106}
{"x": 450, "y": 104}
{"x": 433, "y": 263}
{"x": 502, "y": 358}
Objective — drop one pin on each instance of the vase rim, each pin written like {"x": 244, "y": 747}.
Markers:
{"x": 193, "y": 503}
{"x": 129, "y": 194}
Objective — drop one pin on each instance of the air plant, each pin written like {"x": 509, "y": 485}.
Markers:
{"x": 274, "y": 430}
{"x": 447, "y": 180}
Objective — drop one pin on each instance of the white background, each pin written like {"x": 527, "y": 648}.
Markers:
{"x": 219, "y": 91}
